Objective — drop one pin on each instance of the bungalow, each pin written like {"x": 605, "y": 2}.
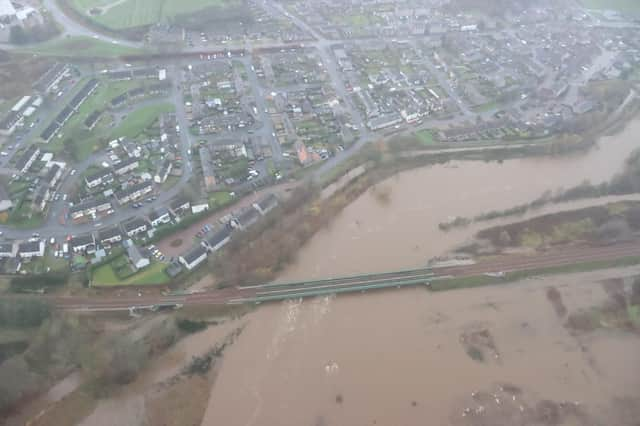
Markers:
{"x": 217, "y": 240}
{"x": 82, "y": 243}
{"x": 110, "y": 235}
{"x": 135, "y": 227}
{"x": 9, "y": 123}
{"x": 384, "y": 121}
{"x": 103, "y": 176}
{"x": 41, "y": 198}
{"x": 267, "y": 204}
{"x": 126, "y": 166}
{"x": 133, "y": 192}
{"x": 163, "y": 171}
{"x": 49, "y": 80}
{"x": 199, "y": 207}
{"x": 136, "y": 258}
{"x": 159, "y": 216}
{"x": 194, "y": 257}
{"x": 247, "y": 218}
{"x": 89, "y": 209}
{"x": 179, "y": 205}
{"x": 31, "y": 249}
{"x": 53, "y": 175}
{"x": 26, "y": 160}
{"x": 8, "y": 250}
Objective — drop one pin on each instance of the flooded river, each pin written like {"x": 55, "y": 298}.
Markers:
{"x": 371, "y": 236}
{"x": 396, "y": 358}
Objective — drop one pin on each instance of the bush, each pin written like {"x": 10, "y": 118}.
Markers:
{"x": 36, "y": 282}
{"x": 190, "y": 326}
{"x": 23, "y": 312}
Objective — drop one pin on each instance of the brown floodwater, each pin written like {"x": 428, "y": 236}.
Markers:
{"x": 371, "y": 235}
{"x": 395, "y": 358}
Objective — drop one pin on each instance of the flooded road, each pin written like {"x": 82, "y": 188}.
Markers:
{"x": 396, "y": 357}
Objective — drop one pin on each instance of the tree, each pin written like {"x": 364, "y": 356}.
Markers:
{"x": 17, "y": 35}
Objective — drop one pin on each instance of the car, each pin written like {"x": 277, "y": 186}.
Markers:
{"x": 4, "y": 153}
{"x": 36, "y": 235}
{"x": 52, "y": 241}
{"x": 64, "y": 197}
{"x": 73, "y": 172}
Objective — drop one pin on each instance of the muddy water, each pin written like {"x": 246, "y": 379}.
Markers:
{"x": 395, "y": 357}
{"x": 371, "y": 235}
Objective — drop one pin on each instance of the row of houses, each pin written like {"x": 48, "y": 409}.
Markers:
{"x": 218, "y": 239}
{"x": 24, "y": 108}
{"x": 66, "y": 113}
{"x": 22, "y": 250}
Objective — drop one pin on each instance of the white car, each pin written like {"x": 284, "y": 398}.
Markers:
{"x": 73, "y": 172}
{"x": 4, "y": 153}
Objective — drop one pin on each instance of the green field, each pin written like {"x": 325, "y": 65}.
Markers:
{"x": 622, "y": 6}
{"x": 139, "y": 120}
{"x": 425, "y": 137}
{"x": 105, "y": 276}
{"x": 81, "y": 141}
{"x": 81, "y": 47}
{"x": 122, "y": 14}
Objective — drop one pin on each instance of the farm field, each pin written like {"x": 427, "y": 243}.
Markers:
{"x": 122, "y": 14}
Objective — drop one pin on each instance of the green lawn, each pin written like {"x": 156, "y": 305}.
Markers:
{"x": 425, "y": 137}
{"x": 83, "y": 141}
{"x": 124, "y": 14}
{"x": 81, "y": 47}
{"x": 105, "y": 276}
{"x": 219, "y": 199}
{"x": 623, "y": 6}
{"x": 40, "y": 265}
{"x": 140, "y": 119}
{"x": 24, "y": 218}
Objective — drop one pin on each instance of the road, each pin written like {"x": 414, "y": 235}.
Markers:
{"x": 73, "y": 28}
{"x": 511, "y": 263}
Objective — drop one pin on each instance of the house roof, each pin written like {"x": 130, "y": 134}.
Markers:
{"x": 88, "y": 205}
{"x": 219, "y": 236}
{"x": 134, "y": 224}
{"x": 82, "y": 240}
{"x": 179, "y": 201}
{"x": 132, "y": 190}
{"x": 29, "y": 247}
{"x": 268, "y": 202}
{"x": 248, "y": 215}
{"x": 158, "y": 213}
{"x": 108, "y": 233}
{"x": 194, "y": 253}
{"x": 134, "y": 254}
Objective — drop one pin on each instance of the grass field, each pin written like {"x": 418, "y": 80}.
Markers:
{"x": 81, "y": 47}
{"x": 105, "y": 276}
{"x": 85, "y": 141}
{"x": 140, "y": 119}
{"x": 425, "y": 137}
{"x": 122, "y": 14}
{"x": 623, "y": 6}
